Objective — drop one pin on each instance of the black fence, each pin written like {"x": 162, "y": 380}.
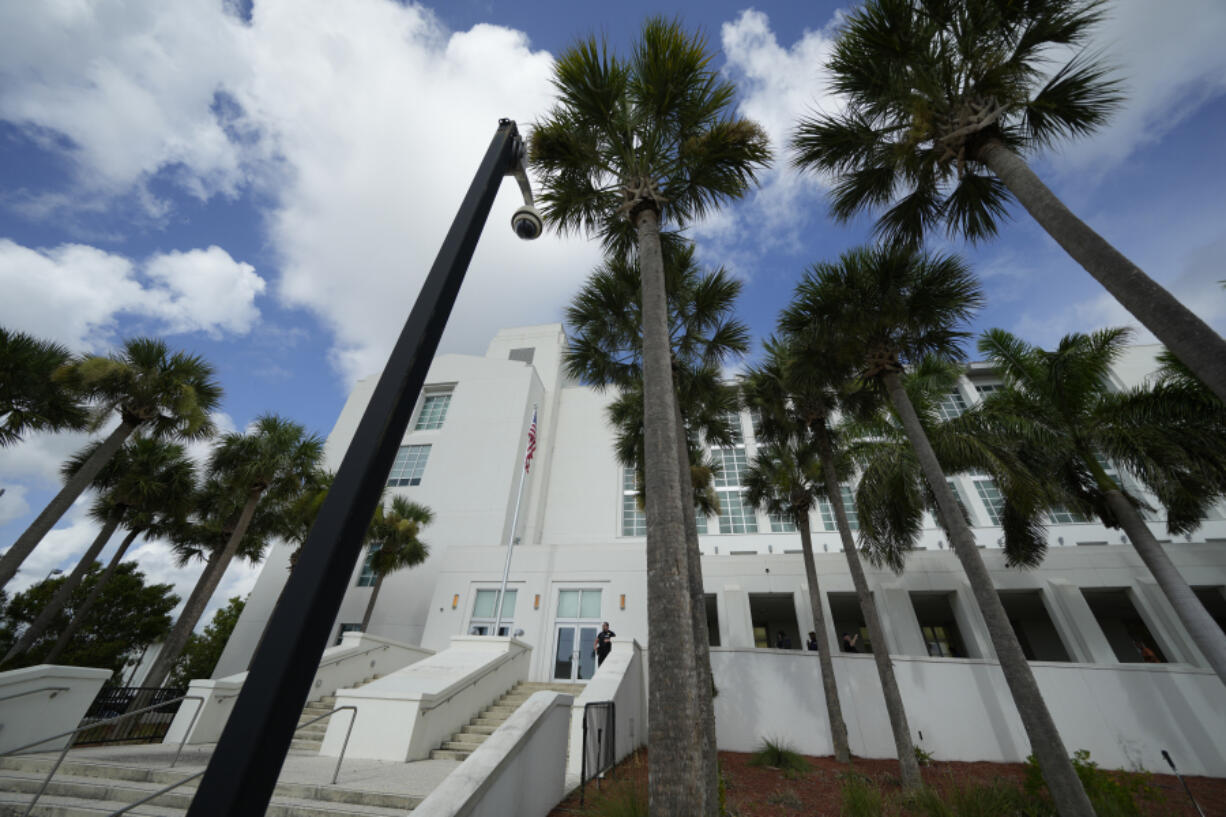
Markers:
{"x": 599, "y": 743}
{"x": 149, "y": 727}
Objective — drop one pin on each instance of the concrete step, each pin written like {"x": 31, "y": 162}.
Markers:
{"x": 496, "y": 710}
{"x": 306, "y": 745}
{"x": 473, "y": 729}
{"x": 448, "y": 754}
{"x": 314, "y": 729}
{"x": 537, "y": 686}
{"x": 469, "y": 741}
{"x": 37, "y": 767}
{"x": 65, "y": 796}
{"x": 493, "y": 723}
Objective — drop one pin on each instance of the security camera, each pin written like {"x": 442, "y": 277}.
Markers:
{"x": 527, "y": 223}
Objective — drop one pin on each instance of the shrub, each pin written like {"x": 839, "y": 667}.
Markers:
{"x": 778, "y": 755}
{"x": 1113, "y": 794}
{"x": 626, "y": 800}
{"x": 861, "y": 797}
{"x": 922, "y": 756}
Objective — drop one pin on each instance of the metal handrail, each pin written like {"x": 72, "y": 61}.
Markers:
{"x": 488, "y": 670}
{"x": 68, "y": 745}
{"x": 335, "y": 774}
{"x": 53, "y": 690}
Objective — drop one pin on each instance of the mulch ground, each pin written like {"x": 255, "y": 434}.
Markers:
{"x": 758, "y": 792}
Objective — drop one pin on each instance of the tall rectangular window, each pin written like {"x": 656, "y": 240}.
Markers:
{"x": 849, "y": 507}
{"x": 951, "y": 405}
{"x": 484, "y": 604}
{"x": 634, "y": 521}
{"x": 433, "y": 411}
{"x": 367, "y": 577}
{"x": 782, "y": 523}
{"x": 410, "y": 464}
{"x": 992, "y": 500}
{"x": 734, "y": 515}
{"x": 957, "y": 492}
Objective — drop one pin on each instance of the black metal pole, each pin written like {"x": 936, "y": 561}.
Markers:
{"x": 244, "y": 767}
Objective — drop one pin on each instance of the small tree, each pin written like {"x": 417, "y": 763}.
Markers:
{"x": 394, "y": 543}
{"x": 202, "y": 652}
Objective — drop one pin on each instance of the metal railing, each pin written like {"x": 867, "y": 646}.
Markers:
{"x": 603, "y": 717}
{"x": 506, "y": 660}
{"x": 114, "y": 701}
{"x": 335, "y": 773}
{"x": 53, "y": 690}
{"x": 68, "y": 744}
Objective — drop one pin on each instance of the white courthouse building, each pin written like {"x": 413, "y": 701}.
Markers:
{"x": 579, "y": 560}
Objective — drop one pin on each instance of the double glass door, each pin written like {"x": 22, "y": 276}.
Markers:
{"x": 578, "y": 621}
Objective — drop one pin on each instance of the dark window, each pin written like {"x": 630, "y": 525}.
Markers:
{"x": 938, "y": 624}
{"x": 1126, "y": 631}
{"x": 772, "y": 614}
{"x": 523, "y": 355}
{"x": 1033, "y": 626}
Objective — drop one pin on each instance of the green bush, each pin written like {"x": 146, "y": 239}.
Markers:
{"x": 923, "y": 757}
{"x": 861, "y": 796}
{"x": 778, "y": 755}
{"x": 626, "y": 800}
{"x": 1113, "y": 794}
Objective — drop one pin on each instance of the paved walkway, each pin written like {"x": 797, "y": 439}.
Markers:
{"x": 416, "y": 778}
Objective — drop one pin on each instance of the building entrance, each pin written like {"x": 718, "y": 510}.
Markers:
{"x": 577, "y": 622}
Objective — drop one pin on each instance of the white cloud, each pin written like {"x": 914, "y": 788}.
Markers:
{"x": 74, "y": 293}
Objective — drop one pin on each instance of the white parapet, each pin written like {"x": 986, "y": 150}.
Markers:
{"x": 517, "y": 770}
{"x": 620, "y": 679}
{"x": 961, "y": 709}
{"x": 44, "y": 700}
{"x": 405, "y": 715}
{"x": 358, "y": 657}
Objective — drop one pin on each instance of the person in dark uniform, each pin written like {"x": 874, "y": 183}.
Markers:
{"x": 849, "y": 642}
{"x": 783, "y": 641}
{"x": 604, "y": 643}
{"x": 811, "y": 644}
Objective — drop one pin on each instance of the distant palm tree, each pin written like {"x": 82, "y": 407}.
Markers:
{"x": 270, "y": 464}
{"x": 888, "y": 307}
{"x": 32, "y": 398}
{"x": 143, "y": 479}
{"x": 394, "y": 544}
{"x": 164, "y": 395}
{"x": 943, "y": 100}
{"x": 1061, "y": 404}
{"x": 606, "y": 351}
{"x": 795, "y": 391}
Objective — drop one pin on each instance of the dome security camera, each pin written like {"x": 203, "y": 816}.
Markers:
{"x": 527, "y": 223}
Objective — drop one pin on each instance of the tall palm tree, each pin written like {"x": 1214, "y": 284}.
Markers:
{"x": 795, "y": 391}
{"x": 785, "y": 478}
{"x": 269, "y": 464}
{"x": 164, "y": 395}
{"x": 944, "y": 100}
{"x": 1061, "y": 403}
{"x": 885, "y": 308}
{"x": 147, "y": 477}
{"x": 631, "y": 145}
{"x": 394, "y": 544}
{"x": 606, "y": 350}
{"x": 32, "y": 398}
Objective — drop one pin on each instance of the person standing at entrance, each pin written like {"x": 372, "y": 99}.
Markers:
{"x": 604, "y": 643}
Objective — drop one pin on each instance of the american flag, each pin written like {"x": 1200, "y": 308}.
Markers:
{"x": 531, "y": 443}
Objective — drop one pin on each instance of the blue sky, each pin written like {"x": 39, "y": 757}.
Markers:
{"x": 266, "y": 185}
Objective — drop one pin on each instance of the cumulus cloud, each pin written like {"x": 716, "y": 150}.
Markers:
{"x": 75, "y": 294}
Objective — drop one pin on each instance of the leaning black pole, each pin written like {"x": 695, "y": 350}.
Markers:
{"x": 243, "y": 769}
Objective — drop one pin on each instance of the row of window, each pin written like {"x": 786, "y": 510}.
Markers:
{"x": 410, "y": 463}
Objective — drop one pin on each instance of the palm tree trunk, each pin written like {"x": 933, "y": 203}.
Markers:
{"x": 79, "y": 616}
{"x": 62, "y": 501}
{"x": 1205, "y": 632}
{"x": 173, "y": 646}
{"x": 53, "y": 608}
{"x": 1191, "y": 339}
{"x": 1045, "y": 741}
{"x": 675, "y": 783}
{"x": 830, "y": 685}
{"x": 370, "y": 605}
{"x": 908, "y": 764}
{"x": 702, "y": 638}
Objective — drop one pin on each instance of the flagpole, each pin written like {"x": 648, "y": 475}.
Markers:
{"x": 506, "y": 569}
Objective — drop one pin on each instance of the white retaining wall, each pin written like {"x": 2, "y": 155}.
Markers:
{"x": 620, "y": 679}
{"x": 356, "y": 658}
{"x": 405, "y": 715}
{"x": 44, "y": 700}
{"x": 961, "y": 709}
{"x": 518, "y": 770}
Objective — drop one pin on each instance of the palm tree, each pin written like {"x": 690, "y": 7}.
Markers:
{"x": 394, "y": 544}
{"x": 143, "y": 479}
{"x": 885, "y": 308}
{"x": 631, "y": 145}
{"x": 606, "y": 350}
{"x": 943, "y": 101}
{"x": 270, "y": 464}
{"x": 795, "y": 391}
{"x": 785, "y": 478}
{"x": 164, "y": 395}
{"x": 32, "y": 398}
{"x": 1061, "y": 403}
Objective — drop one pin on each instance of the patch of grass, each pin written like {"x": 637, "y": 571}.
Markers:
{"x": 777, "y": 754}
{"x": 626, "y": 800}
{"x": 1113, "y": 794}
{"x": 786, "y": 798}
{"x": 861, "y": 797}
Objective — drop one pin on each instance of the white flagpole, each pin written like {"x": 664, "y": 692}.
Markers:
{"x": 506, "y": 570}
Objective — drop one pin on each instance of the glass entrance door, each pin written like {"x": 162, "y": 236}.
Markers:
{"x": 574, "y": 657}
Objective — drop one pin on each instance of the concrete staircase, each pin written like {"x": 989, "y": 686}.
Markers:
{"x": 464, "y": 742}
{"x": 311, "y": 738}
{"x": 82, "y": 789}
